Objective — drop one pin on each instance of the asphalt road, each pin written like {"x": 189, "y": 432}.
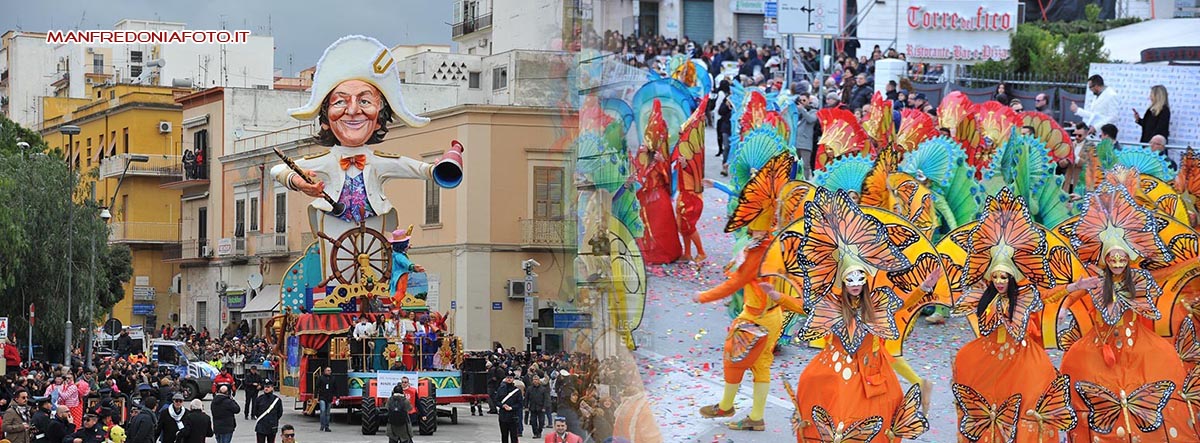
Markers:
{"x": 468, "y": 430}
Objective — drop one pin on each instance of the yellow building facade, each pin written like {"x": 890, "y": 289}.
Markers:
{"x": 118, "y": 125}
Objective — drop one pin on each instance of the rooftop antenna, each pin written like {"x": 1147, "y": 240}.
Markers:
{"x": 82, "y": 16}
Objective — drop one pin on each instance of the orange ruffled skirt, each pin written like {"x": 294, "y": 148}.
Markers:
{"x": 851, "y": 387}
{"x": 999, "y": 370}
{"x": 1137, "y": 356}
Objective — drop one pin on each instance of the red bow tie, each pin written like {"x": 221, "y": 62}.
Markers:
{"x": 357, "y": 161}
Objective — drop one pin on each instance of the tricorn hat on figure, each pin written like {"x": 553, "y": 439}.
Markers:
{"x": 357, "y": 57}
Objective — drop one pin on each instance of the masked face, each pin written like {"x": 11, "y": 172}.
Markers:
{"x": 353, "y": 110}
{"x": 1117, "y": 262}
{"x": 1000, "y": 280}
{"x": 855, "y": 279}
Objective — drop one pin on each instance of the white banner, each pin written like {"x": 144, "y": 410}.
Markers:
{"x": 957, "y": 31}
{"x": 1132, "y": 84}
{"x": 3, "y": 328}
{"x": 385, "y": 381}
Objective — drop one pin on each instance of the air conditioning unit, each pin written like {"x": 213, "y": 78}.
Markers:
{"x": 517, "y": 289}
{"x": 206, "y": 252}
{"x": 483, "y": 42}
{"x": 164, "y": 127}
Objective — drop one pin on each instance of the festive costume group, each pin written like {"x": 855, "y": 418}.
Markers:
{"x": 1102, "y": 265}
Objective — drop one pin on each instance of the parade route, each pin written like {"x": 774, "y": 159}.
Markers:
{"x": 681, "y": 345}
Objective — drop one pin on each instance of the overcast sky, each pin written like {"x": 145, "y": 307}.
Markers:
{"x": 302, "y": 28}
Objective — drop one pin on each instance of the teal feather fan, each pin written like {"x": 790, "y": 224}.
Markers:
{"x": 845, "y": 173}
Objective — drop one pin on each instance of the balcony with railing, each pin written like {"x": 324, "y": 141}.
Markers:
{"x": 187, "y": 250}
{"x": 470, "y": 25}
{"x": 276, "y": 138}
{"x": 143, "y": 232}
{"x": 169, "y": 166}
{"x": 193, "y": 172}
{"x": 270, "y": 244}
{"x": 554, "y": 234}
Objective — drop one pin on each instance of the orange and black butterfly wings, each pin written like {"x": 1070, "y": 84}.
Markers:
{"x": 761, "y": 193}
{"x": 1069, "y": 335}
{"x": 862, "y": 431}
{"x": 1006, "y": 224}
{"x": 909, "y": 422}
{"x": 1185, "y": 343}
{"x": 979, "y": 417}
{"x": 836, "y": 226}
{"x": 1144, "y": 405}
{"x": 1053, "y": 408}
{"x": 689, "y": 153}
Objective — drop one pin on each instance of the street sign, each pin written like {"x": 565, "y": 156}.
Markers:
{"x": 771, "y": 19}
{"x": 3, "y": 328}
{"x": 810, "y": 16}
{"x": 572, "y": 320}
{"x": 143, "y": 293}
{"x": 497, "y": 306}
{"x": 530, "y": 311}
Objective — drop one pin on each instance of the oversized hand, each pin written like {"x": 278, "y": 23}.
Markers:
{"x": 932, "y": 279}
{"x": 317, "y": 189}
{"x": 1089, "y": 283}
{"x": 771, "y": 292}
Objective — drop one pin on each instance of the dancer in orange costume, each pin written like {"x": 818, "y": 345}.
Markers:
{"x": 1005, "y": 387}
{"x": 849, "y": 389}
{"x": 1120, "y": 367}
{"x": 753, "y": 334}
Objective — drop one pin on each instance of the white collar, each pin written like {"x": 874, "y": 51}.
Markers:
{"x": 342, "y": 151}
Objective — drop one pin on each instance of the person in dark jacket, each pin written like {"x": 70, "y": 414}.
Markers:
{"x": 268, "y": 408}
{"x": 1157, "y": 120}
{"x": 538, "y": 402}
{"x": 124, "y": 344}
{"x": 509, "y": 400}
{"x": 495, "y": 376}
{"x": 251, "y": 385}
{"x": 170, "y": 420}
{"x": 41, "y": 420}
{"x": 60, "y": 426}
{"x": 197, "y": 426}
{"x": 399, "y": 429}
{"x": 861, "y": 94}
{"x": 140, "y": 428}
{"x": 90, "y": 432}
{"x": 224, "y": 415}
{"x": 325, "y": 391}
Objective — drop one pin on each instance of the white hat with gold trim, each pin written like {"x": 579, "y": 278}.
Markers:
{"x": 357, "y": 57}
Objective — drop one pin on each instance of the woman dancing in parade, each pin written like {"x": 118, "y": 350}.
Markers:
{"x": 849, "y": 392}
{"x": 753, "y": 334}
{"x": 1128, "y": 378}
{"x": 1005, "y": 387}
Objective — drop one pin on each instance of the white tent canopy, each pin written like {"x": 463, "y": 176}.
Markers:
{"x": 264, "y": 305}
{"x": 1125, "y": 44}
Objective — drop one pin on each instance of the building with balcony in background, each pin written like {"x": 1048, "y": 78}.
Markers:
{"x": 233, "y": 250}
{"x": 121, "y": 121}
{"x": 30, "y": 68}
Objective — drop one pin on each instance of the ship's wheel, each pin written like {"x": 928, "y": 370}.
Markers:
{"x": 358, "y": 248}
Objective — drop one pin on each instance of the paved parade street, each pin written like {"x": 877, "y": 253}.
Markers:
{"x": 681, "y": 345}
{"x": 468, "y": 430}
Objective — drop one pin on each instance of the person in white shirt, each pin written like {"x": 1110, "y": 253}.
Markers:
{"x": 362, "y": 334}
{"x": 1102, "y": 110}
{"x": 389, "y": 327}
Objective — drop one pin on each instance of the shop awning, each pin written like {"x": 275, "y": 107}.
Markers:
{"x": 263, "y": 305}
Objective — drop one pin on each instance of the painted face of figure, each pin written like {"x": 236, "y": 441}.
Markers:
{"x": 1117, "y": 262}
{"x": 1001, "y": 280}
{"x": 354, "y": 107}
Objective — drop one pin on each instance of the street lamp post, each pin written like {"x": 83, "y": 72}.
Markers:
{"x": 105, "y": 215}
{"x": 70, "y": 131}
